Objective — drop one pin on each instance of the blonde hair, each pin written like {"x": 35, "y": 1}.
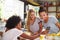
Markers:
{"x": 28, "y": 17}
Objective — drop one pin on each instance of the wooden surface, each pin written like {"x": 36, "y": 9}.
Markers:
{"x": 1, "y": 33}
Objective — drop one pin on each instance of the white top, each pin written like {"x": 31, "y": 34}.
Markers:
{"x": 12, "y": 34}
{"x": 35, "y": 26}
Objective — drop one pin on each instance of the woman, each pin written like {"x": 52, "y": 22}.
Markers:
{"x": 14, "y": 32}
{"x": 49, "y": 22}
{"x": 33, "y": 23}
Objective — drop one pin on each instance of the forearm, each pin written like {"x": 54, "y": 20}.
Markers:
{"x": 45, "y": 32}
{"x": 30, "y": 37}
{"x": 58, "y": 24}
{"x": 40, "y": 26}
{"x": 35, "y": 36}
{"x": 26, "y": 36}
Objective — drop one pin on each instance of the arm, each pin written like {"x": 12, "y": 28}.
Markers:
{"x": 58, "y": 24}
{"x": 29, "y": 37}
{"x": 45, "y": 32}
{"x": 40, "y": 26}
{"x": 55, "y": 21}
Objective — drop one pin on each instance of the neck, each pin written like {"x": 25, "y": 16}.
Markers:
{"x": 46, "y": 20}
{"x": 18, "y": 28}
{"x": 6, "y": 30}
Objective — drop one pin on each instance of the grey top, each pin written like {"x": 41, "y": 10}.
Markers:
{"x": 35, "y": 26}
{"x": 52, "y": 24}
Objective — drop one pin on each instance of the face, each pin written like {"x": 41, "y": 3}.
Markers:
{"x": 44, "y": 15}
{"x": 19, "y": 25}
{"x": 32, "y": 15}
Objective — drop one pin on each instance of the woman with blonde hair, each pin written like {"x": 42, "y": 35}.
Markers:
{"x": 33, "y": 23}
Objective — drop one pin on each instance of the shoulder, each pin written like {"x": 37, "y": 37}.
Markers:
{"x": 14, "y": 31}
{"x": 38, "y": 18}
{"x": 53, "y": 17}
{"x": 17, "y": 30}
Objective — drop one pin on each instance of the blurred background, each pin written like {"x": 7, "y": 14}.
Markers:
{"x": 20, "y": 8}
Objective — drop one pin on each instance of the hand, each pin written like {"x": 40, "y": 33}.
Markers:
{"x": 32, "y": 38}
{"x": 45, "y": 32}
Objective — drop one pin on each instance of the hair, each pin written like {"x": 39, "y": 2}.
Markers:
{"x": 42, "y": 9}
{"x": 12, "y": 22}
{"x": 28, "y": 17}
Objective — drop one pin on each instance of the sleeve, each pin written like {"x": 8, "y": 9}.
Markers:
{"x": 38, "y": 20}
{"x": 54, "y": 19}
{"x": 20, "y": 32}
{"x": 17, "y": 32}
